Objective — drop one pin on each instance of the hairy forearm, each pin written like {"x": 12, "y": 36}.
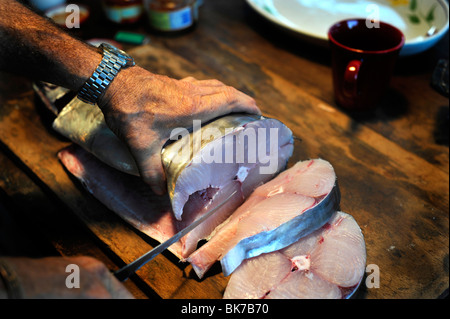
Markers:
{"x": 33, "y": 46}
{"x": 140, "y": 107}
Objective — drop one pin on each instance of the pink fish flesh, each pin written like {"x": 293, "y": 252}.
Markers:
{"x": 295, "y": 203}
{"x": 328, "y": 263}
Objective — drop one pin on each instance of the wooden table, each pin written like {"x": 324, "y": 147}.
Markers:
{"x": 392, "y": 166}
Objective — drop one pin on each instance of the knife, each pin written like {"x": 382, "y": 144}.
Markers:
{"x": 126, "y": 271}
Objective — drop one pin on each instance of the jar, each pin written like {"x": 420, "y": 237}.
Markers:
{"x": 123, "y": 11}
{"x": 172, "y": 15}
{"x": 43, "y": 5}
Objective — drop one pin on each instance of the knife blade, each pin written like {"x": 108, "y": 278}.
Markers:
{"x": 126, "y": 271}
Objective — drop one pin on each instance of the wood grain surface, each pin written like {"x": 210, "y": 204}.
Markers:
{"x": 391, "y": 166}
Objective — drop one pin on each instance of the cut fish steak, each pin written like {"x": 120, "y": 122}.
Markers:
{"x": 218, "y": 162}
{"x": 293, "y": 204}
{"x": 328, "y": 263}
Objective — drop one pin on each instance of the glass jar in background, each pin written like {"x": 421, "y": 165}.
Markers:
{"x": 172, "y": 15}
{"x": 43, "y": 5}
{"x": 123, "y": 11}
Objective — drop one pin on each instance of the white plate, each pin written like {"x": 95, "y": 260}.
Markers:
{"x": 313, "y": 18}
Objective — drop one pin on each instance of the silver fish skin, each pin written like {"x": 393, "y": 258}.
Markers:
{"x": 85, "y": 125}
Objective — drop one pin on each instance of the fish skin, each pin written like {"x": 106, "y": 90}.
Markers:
{"x": 85, "y": 125}
{"x": 336, "y": 257}
{"x": 231, "y": 246}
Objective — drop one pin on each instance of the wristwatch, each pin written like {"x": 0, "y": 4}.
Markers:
{"x": 113, "y": 61}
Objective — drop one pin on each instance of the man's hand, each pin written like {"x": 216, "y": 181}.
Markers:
{"x": 142, "y": 108}
{"x": 46, "y": 278}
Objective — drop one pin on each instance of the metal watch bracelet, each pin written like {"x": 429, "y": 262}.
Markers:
{"x": 102, "y": 77}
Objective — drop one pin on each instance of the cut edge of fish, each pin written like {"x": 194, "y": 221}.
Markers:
{"x": 236, "y": 121}
{"x": 170, "y": 150}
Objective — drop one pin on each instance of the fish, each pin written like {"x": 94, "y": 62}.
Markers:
{"x": 329, "y": 263}
{"x": 131, "y": 199}
{"x": 298, "y": 201}
{"x": 203, "y": 166}
{"x": 278, "y": 238}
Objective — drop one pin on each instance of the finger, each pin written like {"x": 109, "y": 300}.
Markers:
{"x": 244, "y": 103}
{"x": 151, "y": 170}
{"x": 145, "y": 146}
{"x": 230, "y": 100}
{"x": 211, "y": 82}
{"x": 152, "y": 173}
{"x": 189, "y": 79}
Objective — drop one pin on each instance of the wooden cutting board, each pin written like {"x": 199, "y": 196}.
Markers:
{"x": 399, "y": 200}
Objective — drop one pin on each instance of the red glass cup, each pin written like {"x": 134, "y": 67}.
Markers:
{"x": 363, "y": 59}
